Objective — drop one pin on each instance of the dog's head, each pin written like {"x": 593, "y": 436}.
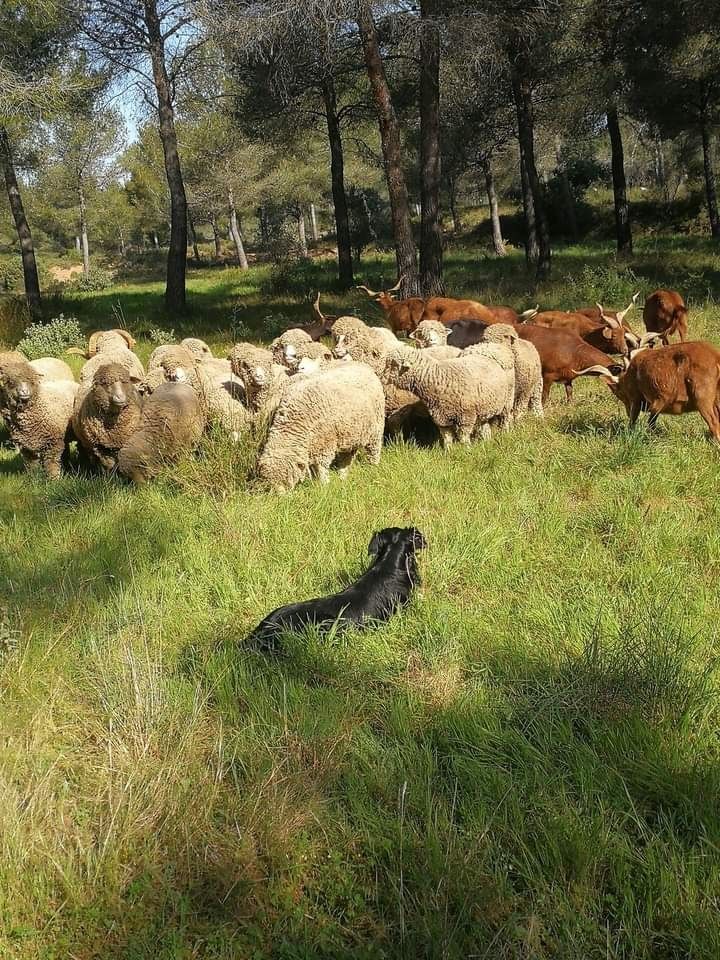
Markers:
{"x": 408, "y": 537}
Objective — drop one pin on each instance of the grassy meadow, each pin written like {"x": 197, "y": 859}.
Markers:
{"x": 523, "y": 764}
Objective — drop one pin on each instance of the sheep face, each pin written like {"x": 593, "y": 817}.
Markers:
{"x": 340, "y": 350}
{"x": 430, "y": 333}
{"x": 19, "y": 386}
{"x": 113, "y": 389}
{"x": 290, "y": 356}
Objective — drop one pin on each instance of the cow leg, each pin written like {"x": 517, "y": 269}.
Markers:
{"x": 568, "y": 391}
{"x": 709, "y": 412}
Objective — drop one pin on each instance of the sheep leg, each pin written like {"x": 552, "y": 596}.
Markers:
{"x": 322, "y": 468}
{"x": 374, "y": 451}
{"x": 344, "y": 462}
{"x": 447, "y": 436}
{"x": 536, "y": 403}
{"x": 464, "y": 432}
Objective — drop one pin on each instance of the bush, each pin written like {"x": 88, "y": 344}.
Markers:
{"x": 157, "y": 336}
{"x": 97, "y": 279}
{"x": 298, "y": 279}
{"x": 11, "y": 275}
{"x": 51, "y": 339}
{"x": 609, "y": 285}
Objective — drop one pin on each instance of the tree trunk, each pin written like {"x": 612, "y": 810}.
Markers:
{"x": 498, "y": 245}
{"x": 77, "y": 244}
{"x": 568, "y": 202}
{"x": 710, "y": 190}
{"x": 156, "y": 242}
{"x": 216, "y": 238}
{"x": 193, "y": 236}
{"x": 532, "y": 247}
{"x": 526, "y": 136}
{"x": 337, "y": 173}
{"x": 302, "y": 238}
{"x": 452, "y": 202}
{"x": 622, "y": 210}
{"x": 431, "y": 238}
{"x": 235, "y": 234}
{"x": 122, "y": 244}
{"x": 83, "y": 230}
{"x": 177, "y": 253}
{"x": 405, "y": 249}
{"x": 314, "y": 224}
{"x": 27, "y": 250}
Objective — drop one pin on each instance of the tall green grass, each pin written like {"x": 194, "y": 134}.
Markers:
{"x": 524, "y": 763}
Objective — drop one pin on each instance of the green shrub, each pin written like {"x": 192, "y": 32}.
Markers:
{"x": 297, "y": 279}
{"x": 14, "y": 317}
{"x": 97, "y": 279}
{"x": 609, "y": 285}
{"x": 51, "y": 339}
{"x": 11, "y": 275}
{"x": 158, "y": 336}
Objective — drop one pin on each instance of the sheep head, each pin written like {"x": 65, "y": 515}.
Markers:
{"x": 19, "y": 383}
{"x": 198, "y": 348}
{"x": 113, "y": 389}
{"x": 500, "y": 333}
{"x": 430, "y": 333}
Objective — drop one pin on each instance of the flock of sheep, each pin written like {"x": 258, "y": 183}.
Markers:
{"x": 319, "y": 405}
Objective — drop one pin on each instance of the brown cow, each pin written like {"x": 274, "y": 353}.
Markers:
{"x": 606, "y": 333}
{"x": 681, "y": 378}
{"x": 402, "y": 315}
{"x": 665, "y": 312}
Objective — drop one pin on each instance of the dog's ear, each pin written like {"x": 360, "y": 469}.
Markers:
{"x": 374, "y": 545}
{"x": 378, "y": 542}
{"x": 417, "y": 539}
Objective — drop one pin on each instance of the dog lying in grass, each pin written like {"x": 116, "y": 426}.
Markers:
{"x": 374, "y": 597}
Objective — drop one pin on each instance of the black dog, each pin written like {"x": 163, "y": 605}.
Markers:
{"x": 373, "y": 598}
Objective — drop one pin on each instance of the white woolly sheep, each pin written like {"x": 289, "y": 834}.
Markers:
{"x": 431, "y": 336}
{"x": 323, "y": 419}
{"x": 528, "y": 369}
{"x": 263, "y": 380}
{"x": 463, "y": 396}
{"x": 37, "y": 412}
{"x": 106, "y": 414}
{"x": 52, "y": 368}
{"x": 171, "y": 424}
{"x": 198, "y": 348}
{"x": 104, "y": 341}
{"x": 282, "y": 347}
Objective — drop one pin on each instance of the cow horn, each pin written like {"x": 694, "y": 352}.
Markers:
{"x": 621, "y": 314}
{"x": 631, "y": 339}
{"x": 598, "y": 370}
{"x": 527, "y": 315}
{"x": 317, "y": 312}
{"x": 397, "y": 285}
{"x": 368, "y": 291}
{"x": 648, "y": 339}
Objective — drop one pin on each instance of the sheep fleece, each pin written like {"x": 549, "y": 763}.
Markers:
{"x": 337, "y": 412}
